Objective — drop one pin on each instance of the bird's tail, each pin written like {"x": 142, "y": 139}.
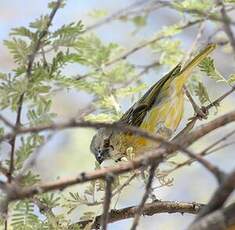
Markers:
{"x": 188, "y": 68}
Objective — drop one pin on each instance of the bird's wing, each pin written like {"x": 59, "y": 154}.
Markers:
{"x": 135, "y": 115}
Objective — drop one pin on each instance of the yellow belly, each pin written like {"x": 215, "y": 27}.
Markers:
{"x": 162, "y": 119}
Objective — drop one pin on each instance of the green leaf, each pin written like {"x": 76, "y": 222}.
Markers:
{"x": 23, "y": 216}
{"x": 199, "y": 5}
{"x": 19, "y": 49}
{"x": 2, "y": 131}
{"x": 51, "y": 200}
{"x": 28, "y": 145}
{"x": 208, "y": 66}
{"x": 231, "y": 79}
{"x": 139, "y": 20}
{"x": 70, "y": 29}
{"x": 53, "y": 4}
{"x": 68, "y": 35}
{"x": 170, "y": 30}
{"x": 98, "y": 13}
{"x": 170, "y": 51}
{"x": 201, "y": 92}
{"x": 41, "y": 23}
{"x": 29, "y": 179}
{"x": 93, "y": 52}
{"x": 22, "y": 31}
{"x": 103, "y": 117}
{"x": 130, "y": 90}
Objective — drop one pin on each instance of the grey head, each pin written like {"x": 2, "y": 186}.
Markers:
{"x": 101, "y": 145}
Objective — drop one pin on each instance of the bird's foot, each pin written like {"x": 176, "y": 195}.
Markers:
{"x": 200, "y": 113}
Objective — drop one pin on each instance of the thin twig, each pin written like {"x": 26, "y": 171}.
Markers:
{"x": 122, "y": 186}
{"x": 116, "y": 15}
{"x": 31, "y": 59}
{"x": 148, "y": 189}
{"x": 107, "y": 200}
{"x": 194, "y": 119}
{"x": 226, "y": 22}
{"x": 218, "y": 173}
{"x": 6, "y": 122}
{"x": 221, "y": 147}
{"x": 200, "y": 31}
{"x": 138, "y": 47}
{"x": 13, "y": 140}
{"x": 219, "y": 197}
{"x": 204, "y": 152}
{"x": 197, "y": 111}
{"x": 218, "y": 220}
{"x": 217, "y": 142}
{"x": 127, "y": 182}
{"x": 210, "y": 16}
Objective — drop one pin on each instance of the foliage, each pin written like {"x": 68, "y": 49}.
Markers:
{"x": 23, "y": 217}
{"x": 107, "y": 81}
{"x": 207, "y": 66}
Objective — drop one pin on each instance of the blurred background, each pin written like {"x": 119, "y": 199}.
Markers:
{"x": 67, "y": 153}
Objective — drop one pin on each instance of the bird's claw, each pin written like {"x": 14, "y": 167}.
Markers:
{"x": 200, "y": 113}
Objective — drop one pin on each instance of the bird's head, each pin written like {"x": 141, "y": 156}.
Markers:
{"x": 101, "y": 145}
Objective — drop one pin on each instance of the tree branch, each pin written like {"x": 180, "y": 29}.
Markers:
{"x": 194, "y": 119}
{"x": 204, "y": 152}
{"x": 221, "y": 219}
{"x": 219, "y": 197}
{"x": 148, "y": 210}
{"x": 145, "y": 159}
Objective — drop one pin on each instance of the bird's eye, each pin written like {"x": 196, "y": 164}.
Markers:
{"x": 106, "y": 143}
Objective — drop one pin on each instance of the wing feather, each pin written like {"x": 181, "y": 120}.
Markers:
{"x": 135, "y": 115}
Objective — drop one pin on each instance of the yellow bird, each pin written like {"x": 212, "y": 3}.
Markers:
{"x": 158, "y": 111}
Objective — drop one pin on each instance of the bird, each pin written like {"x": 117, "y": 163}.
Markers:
{"x": 159, "y": 111}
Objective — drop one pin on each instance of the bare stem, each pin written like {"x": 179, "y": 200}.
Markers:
{"x": 107, "y": 200}
{"x": 148, "y": 187}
